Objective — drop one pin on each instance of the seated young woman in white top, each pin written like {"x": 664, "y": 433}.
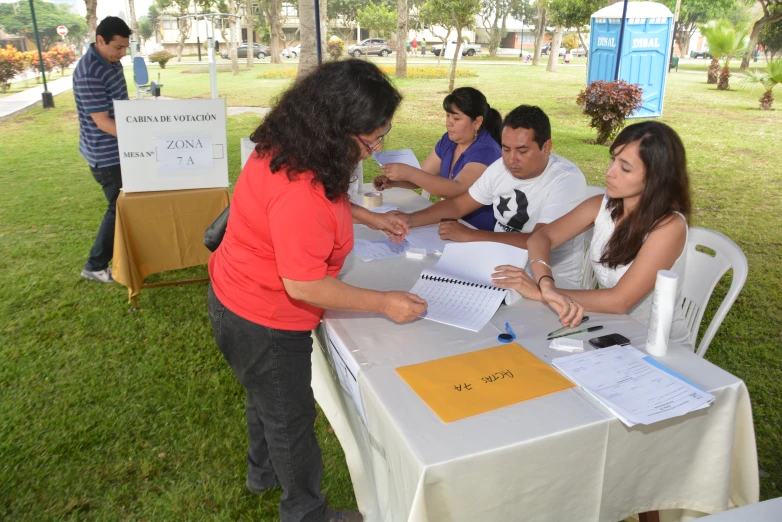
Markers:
{"x": 640, "y": 228}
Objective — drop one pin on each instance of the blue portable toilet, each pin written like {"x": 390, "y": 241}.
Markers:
{"x": 646, "y": 49}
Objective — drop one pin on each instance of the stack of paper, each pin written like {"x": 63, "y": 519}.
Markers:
{"x": 635, "y": 387}
{"x": 425, "y": 238}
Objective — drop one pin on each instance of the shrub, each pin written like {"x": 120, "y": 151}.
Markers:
{"x": 11, "y": 64}
{"x": 48, "y": 63}
{"x": 429, "y": 73}
{"x": 161, "y": 58}
{"x": 289, "y": 73}
{"x": 335, "y": 47}
{"x": 608, "y": 104}
{"x": 62, "y": 56}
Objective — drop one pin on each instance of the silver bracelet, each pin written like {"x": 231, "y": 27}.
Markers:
{"x": 538, "y": 260}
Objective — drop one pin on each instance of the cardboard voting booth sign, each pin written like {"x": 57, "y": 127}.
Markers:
{"x": 172, "y": 144}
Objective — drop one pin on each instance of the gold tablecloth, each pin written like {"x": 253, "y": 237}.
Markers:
{"x": 159, "y": 231}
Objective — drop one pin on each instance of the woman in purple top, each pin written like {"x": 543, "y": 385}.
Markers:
{"x": 471, "y": 143}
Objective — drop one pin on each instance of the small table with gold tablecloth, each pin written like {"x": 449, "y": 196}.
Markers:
{"x": 160, "y": 231}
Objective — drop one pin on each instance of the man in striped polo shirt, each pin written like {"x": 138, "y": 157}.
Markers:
{"x": 97, "y": 81}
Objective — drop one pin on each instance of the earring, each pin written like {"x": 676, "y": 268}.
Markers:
{"x": 475, "y": 137}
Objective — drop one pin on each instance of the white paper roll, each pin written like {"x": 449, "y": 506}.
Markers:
{"x": 662, "y": 312}
{"x": 373, "y": 199}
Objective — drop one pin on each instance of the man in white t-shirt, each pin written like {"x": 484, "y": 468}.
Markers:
{"x": 528, "y": 187}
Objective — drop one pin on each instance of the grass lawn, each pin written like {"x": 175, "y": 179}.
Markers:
{"x": 106, "y": 415}
{"x": 30, "y": 82}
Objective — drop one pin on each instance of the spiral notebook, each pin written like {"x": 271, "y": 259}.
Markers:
{"x": 458, "y": 289}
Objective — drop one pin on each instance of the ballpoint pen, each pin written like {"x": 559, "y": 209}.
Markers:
{"x": 507, "y": 337}
{"x": 583, "y": 330}
{"x": 555, "y": 332}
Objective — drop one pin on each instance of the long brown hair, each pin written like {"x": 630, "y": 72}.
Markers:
{"x": 666, "y": 189}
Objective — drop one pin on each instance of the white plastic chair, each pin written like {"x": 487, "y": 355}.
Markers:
{"x": 702, "y": 273}
{"x": 588, "y": 280}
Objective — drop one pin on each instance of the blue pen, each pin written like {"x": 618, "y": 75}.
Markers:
{"x": 507, "y": 337}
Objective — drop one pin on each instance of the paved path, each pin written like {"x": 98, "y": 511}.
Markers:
{"x": 22, "y": 101}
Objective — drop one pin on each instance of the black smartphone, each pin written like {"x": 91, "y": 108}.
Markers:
{"x": 604, "y": 341}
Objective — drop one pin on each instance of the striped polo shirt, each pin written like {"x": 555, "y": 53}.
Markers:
{"x": 96, "y": 83}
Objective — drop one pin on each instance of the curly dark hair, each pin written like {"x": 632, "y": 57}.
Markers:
{"x": 530, "y": 117}
{"x": 666, "y": 189}
{"x": 311, "y": 128}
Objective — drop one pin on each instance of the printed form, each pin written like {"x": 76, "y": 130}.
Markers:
{"x": 637, "y": 391}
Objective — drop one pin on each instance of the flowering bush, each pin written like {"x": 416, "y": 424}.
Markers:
{"x": 11, "y": 64}
{"x": 608, "y": 104}
{"x": 335, "y": 47}
{"x": 429, "y": 73}
{"x": 161, "y": 58}
{"x": 48, "y": 63}
{"x": 62, "y": 56}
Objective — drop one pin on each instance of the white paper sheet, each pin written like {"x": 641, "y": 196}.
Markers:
{"x": 184, "y": 153}
{"x": 427, "y": 238}
{"x": 405, "y": 156}
{"x": 635, "y": 390}
{"x": 475, "y": 262}
{"x": 379, "y": 249}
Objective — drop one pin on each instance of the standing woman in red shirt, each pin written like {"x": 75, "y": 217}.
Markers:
{"x": 289, "y": 232}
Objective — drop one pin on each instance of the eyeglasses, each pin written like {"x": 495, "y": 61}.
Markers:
{"x": 371, "y": 147}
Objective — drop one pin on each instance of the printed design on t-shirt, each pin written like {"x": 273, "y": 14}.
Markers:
{"x": 517, "y": 222}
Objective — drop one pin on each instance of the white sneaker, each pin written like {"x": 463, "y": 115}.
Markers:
{"x": 101, "y": 276}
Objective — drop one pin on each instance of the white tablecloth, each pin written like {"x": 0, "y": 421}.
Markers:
{"x": 560, "y": 457}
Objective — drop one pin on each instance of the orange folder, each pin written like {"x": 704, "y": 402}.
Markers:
{"x": 472, "y": 383}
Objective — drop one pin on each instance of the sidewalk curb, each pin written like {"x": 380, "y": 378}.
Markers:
{"x": 20, "y": 111}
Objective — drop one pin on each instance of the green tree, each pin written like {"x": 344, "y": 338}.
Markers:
{"x": 772, "y": 12}
{"x": 494, "y": 16}
{"x": 573, "y": 14}
{"x": 769, "y": 78}
{"x": 459, "y": 14}
{"x": 378, "y": 19}
{"x": 726, "y": 41}
{"x": 178, "y": 8}
{"x": 771, "y": 39}
{"x": 16, "y": 19}
{"x": 693, "y": 13}
{"x": 153, "y": 17}
{"x": 145, "y": 31}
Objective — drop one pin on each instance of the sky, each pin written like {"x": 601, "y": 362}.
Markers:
{"x": 105, "y": 7}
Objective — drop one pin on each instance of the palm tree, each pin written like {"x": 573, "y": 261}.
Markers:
{"x": 725, "y": 41}
{"x": 769, "y": 78}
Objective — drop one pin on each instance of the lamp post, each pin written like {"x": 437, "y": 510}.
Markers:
{"x": 521, "y": 45}
{"x": 46, "y": 97}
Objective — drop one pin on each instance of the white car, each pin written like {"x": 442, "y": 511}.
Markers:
{"x": 292, "y": 52}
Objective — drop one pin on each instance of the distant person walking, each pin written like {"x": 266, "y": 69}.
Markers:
{"x": 97, "y": 81}
{"x": 414, "y": 45}
{"x": 423, "y": 47}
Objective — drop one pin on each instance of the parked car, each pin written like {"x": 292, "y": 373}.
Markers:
{"x": 578, "y": 51}
{"x": 467, "y": 49}
{"x": 370, "y": 46}
{"x": 704, "y": 53}
{"x": 259, "y": 51}
{"x": 292, "y": 52}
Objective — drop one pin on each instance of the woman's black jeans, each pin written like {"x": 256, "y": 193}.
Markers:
{"x": 275, "y": 368}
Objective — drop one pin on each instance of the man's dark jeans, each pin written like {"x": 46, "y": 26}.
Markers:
{"x": 110, "y": 179}
{"x": 274, "y": 366}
